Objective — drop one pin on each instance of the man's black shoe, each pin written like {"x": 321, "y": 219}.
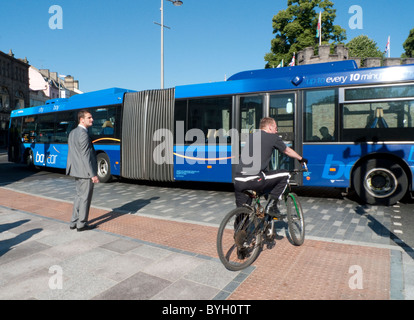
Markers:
{"x": 86, "y": 227}
{"x": 241, "y": 254}
{"x": 275, "y": 212}
{"x": 72, "y": 227}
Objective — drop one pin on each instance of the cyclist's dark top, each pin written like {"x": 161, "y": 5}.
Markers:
{"x": 268, "y": 142}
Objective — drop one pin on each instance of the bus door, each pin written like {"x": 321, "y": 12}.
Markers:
{"x": 14, "y": 145}
{"x": 247, "y": 113}
{"x": 282, "y": 108}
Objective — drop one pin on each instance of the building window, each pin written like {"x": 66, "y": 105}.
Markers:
{"x": 19, "y": 100}
{"x": 4, "y": 99}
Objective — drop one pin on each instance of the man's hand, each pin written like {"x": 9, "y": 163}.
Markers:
{"x": 95, "y": 179}
{"x": 303, "y": 161}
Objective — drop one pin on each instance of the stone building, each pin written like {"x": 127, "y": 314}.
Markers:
{"x": 45, "y": 85}
{"x": 307, "y": 56}
{"x": 23, "y": 86}
{"x": 14, "y": 89}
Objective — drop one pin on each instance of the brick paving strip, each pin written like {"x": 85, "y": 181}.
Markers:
{"x": 316, "y": 270}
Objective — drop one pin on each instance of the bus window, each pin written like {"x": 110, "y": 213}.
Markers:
{"x": 210, "y": 115}
{"x": 45, "y": 128}
{"x": 383, "y": 92}
{"x": 29, "y": 129}
{"x": 282, "y": 109}
{"x": 104, "y": 123}
{"x": 251, "y": 112}
{"x": 180, "y": 115}
{"x": 320, "y": 115}
{"x": 378, "y": 121}
{"x": 65, "y": 123}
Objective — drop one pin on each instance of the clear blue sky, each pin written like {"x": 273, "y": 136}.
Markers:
{"x": 108, "y": 43}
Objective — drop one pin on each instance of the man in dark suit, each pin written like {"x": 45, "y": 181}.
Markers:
{"x": 82, "y": 165}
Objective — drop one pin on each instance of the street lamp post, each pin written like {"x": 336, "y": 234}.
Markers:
{"x": 60, "y": 76}
{"x": 176, "y": 3}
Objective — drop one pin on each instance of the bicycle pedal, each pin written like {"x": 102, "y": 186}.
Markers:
{"x": 260, "y": 213}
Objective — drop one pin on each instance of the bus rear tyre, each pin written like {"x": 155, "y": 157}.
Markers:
{"x": 380, "y": 182}
{"x": 104, "y": 168}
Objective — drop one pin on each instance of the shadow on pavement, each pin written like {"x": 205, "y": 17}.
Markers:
{"x": 129, "y": 208}
{"x": 8, "y": 244}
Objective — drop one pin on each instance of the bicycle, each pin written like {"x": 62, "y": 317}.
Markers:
{"x": 243, "y": 230}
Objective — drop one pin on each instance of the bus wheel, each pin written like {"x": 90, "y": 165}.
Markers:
{"x": 29, "y": 159}
{"x": 104, "y": 168}
{"x": 380, "y": 181}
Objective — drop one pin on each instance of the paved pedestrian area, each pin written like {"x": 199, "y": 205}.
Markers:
{"x": 143, "y": 250}
{"x": 35, "y": 251}
{"x": 325, "y": 217}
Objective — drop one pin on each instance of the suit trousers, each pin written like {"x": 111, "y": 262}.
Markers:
{"x": 82, "y": 202}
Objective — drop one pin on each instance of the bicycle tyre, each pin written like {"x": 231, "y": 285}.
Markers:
{"x": 239, "y": 239}
{"x": 296, "y": 221}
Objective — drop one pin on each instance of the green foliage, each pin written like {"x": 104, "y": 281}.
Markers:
{"x": 295, "y": 29}
{"x": 408, "y": 46}
{"x": 363, "y": 47}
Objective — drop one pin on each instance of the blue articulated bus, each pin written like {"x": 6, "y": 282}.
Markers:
{"x": 355, "y": 125}
{"x": 38, "y": 136}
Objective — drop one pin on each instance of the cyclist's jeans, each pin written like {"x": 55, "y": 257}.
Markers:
{"x": 274, "y": 182}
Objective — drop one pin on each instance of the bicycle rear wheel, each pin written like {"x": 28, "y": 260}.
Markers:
{"x": 239, "y": 239}
{"x": 296, "y": 221}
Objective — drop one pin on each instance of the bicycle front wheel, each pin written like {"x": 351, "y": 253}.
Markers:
{"x": 296, "y": 221}
{"x": 239, "y": 239}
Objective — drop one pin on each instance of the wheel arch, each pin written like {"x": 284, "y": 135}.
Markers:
{"x": 385, "y": 156}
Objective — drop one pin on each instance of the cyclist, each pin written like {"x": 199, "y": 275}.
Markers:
{"x": 251, "y": 172}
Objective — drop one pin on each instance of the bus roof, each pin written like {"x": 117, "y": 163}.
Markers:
{"x": 341, "y": 73}
{"x": 307, "y": 69}
{"x": 104, "y": 97}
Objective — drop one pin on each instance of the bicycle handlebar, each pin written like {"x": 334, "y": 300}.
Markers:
{"x": 304, "y": 169}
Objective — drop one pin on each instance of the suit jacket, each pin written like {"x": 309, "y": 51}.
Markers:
{"x": 81, "y": 162}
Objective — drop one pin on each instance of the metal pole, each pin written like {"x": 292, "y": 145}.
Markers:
{"x": 162, "y": 44}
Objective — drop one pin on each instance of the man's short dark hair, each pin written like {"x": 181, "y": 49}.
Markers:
{"x": 82, "y": 113}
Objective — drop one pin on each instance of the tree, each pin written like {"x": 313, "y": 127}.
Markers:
{"x": 296, "y": 28}
{"x": 363, "y": 47}
{"x": 408, "y": 46}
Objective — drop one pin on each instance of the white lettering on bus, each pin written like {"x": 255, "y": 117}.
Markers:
{"x": 40, "y": 158}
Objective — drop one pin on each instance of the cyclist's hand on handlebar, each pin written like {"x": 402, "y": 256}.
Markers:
{"x": 303, "y": 161}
